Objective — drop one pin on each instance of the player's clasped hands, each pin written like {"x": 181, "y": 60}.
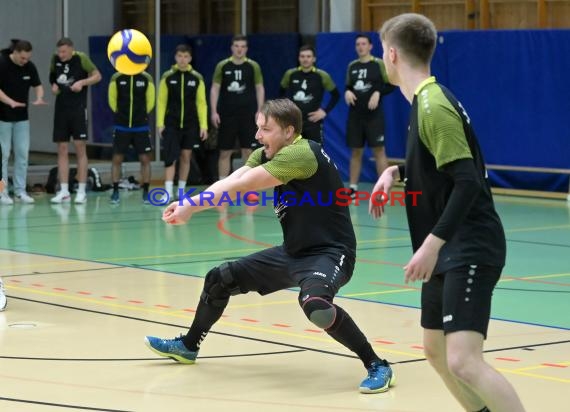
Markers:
{"x": 175, "y": 214}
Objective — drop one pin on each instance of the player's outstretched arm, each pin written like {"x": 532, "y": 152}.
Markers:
{"x": 243, "y": 180}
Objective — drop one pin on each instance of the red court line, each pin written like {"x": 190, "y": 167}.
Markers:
{"x": 249, "y": 320}
{"x": 281, "y": 325}
{"x": 386, "y": 342}
{"x": 509, "y": 359}
{"x": 554, "y": 365}
{"x": 225, "y": 231}
{"x": 222, "y": 229}
{"x": 546, "y": 282}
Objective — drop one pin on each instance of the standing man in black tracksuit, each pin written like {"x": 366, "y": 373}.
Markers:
{"x": 131, "y": 98}
{"x": 182, "y": 116}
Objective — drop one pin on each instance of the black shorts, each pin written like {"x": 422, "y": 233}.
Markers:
{"x": 240, "y": 127}
{"x": 313, "y": 131}
{"x": 365, "y": 127}
{"x": 139, "y": 140}
{"x": 273, "y": 269}
{"x": 69, "y": 122}
{"x": 176, "y": 140}
{"x": 459, "y": 299}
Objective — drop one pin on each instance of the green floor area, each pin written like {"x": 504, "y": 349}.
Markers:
{"x": 535, "y": 287}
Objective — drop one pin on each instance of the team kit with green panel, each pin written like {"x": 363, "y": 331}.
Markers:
{"x": 444, "y": 162}
{"x": 365, "y": 125}
{"x": 307, "y": 89}
{"x": 70, "y": 118}
{"x": 237, "y": 102}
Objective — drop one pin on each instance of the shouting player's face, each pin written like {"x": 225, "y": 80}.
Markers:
{"x": 271, "y": 135}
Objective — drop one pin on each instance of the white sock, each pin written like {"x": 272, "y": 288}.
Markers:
{"x": 65, "y": 187}
{"x": 169, "y": 186}
{"x": 182, "y": 185}
{"x": 222, "y": 177}
{"x": 354, "y": 186}
{"x": 81, "y": 187}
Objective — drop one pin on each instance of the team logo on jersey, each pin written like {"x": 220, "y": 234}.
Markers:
{"x": 139, "y": 83}
{"x": 64, "y": 80}
{"x": 191, "y": 83}
{"x": 234, "y": 87}
{"x": 300, "y": 96}
{"x": 361, "y": 86}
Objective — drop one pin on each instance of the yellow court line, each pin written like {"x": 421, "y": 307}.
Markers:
{"x": 555, "y": 275}
{"x": 534, "y": 375}
{"x": 383, "y": 240}
{"x": 216, "y": 252}
{"x": 537, "y": 228}
{"x": 529, "y": 368}
{"x": 382, "y": 292}
{"x": 175, "y": 314}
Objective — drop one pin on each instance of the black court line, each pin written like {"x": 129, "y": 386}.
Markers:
{"x": 151, "y": 269}
{"x": 298, "y": 347}
{"x": 98, "y": 312}
{"x": 522, "y": 347}
{"x": 61, "y": 405}
{"x": 64, "y": 271}
{"x": 241, "y": 355}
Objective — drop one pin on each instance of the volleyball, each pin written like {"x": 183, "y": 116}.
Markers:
{"x": 129, "y": 51}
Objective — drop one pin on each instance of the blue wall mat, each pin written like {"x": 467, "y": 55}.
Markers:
{"x": 513, "y": 84}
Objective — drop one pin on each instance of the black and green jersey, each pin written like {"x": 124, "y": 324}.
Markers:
{"x": 131, "y": 98}
{"x": 307, "y": 89}
{"x": 182, "y": 99}
{"x": 363, "y": 79}
{"x": 15, "y": 82}
{"x": 64, "y": 74}
{"x": 310, "y": 218}
{"x": 440, "y": 132}
{"x": 237, "y": 86}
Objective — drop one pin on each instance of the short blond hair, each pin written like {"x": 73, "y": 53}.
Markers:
{"x": 413, "y": 34}
{"x": 284, "y": 112}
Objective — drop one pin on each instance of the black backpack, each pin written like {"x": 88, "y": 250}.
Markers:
{"x": 93, "y": 181}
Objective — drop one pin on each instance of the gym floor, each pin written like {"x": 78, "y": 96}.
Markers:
{"x": 86, "y": 283}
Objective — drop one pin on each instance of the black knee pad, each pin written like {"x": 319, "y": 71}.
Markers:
{"x": 219, "y": 285}
{"x": 319, "y": 310}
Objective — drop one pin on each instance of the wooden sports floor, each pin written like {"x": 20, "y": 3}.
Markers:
{"x": 86, "y": 283}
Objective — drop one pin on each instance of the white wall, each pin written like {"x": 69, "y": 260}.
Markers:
{"x": 41, "y": 23}
{"x": 342, "y": 14}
